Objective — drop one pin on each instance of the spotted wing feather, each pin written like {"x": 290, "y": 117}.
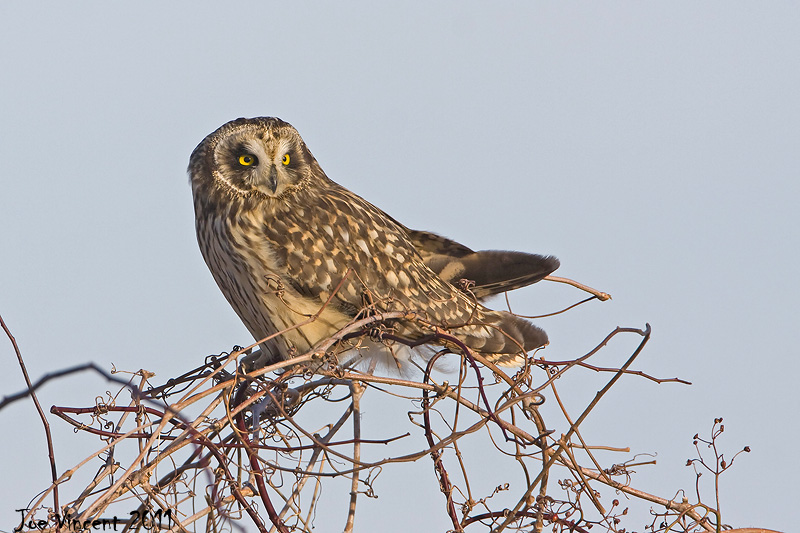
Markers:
{"x": 386, "y": 268}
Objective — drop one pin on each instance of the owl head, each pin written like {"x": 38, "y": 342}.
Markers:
{"x": 253, "y": 158}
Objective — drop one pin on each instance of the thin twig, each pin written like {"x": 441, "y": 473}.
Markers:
{"x": 563, "y": 441}
{"x": 356, "y": 391}
{"x": 45, "y": 424}
{"x": 436, "y": 455}
{"x": 602, "y": 296}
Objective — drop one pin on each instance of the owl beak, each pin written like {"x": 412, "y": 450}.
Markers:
{"x": 273, "y": 179}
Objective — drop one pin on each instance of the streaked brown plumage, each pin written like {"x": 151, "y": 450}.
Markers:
{"x": 279, "y": 236}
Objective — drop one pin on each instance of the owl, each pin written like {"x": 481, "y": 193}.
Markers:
{"x": 285, "y": 243}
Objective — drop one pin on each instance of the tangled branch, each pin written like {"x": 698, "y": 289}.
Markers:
{"x": 219, "y": 447}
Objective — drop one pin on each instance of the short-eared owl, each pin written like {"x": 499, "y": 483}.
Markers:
{"x": 280, "y": 237}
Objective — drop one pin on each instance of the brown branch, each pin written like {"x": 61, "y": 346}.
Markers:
{"x": 230, "y": 451}
{"x": 45, "y": 424}
{"x": 563, "y": 441}
{"x": 314, "y": 457}
{"x": 436, "y": 455}
{"x": 683, "y": 507}
{"x": 356, "y": 391}
{"x": 547, "y": 315}
{"x": 255, "y": 466}
{"x": 551, "y": 517}
{"x": 602, "y": 296}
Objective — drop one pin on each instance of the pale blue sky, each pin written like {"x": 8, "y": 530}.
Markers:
{"x": 652, "y": 147}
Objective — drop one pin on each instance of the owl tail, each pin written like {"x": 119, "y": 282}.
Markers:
{"x": 492, "y": 271}
{"x": 505, "y": 339}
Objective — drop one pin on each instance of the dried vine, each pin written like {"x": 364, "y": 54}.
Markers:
{"x": 219, "y": 448}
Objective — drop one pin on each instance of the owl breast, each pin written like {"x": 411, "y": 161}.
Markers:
{"x": 248, "y": 269}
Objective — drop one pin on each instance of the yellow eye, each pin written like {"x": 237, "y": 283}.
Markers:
{"x": 248, "y": 160}
{"x": 286, "y": 159}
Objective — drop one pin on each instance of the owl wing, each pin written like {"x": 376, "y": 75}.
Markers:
{"x": 349, "y": 250}
{"x": 493, "y": 271}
